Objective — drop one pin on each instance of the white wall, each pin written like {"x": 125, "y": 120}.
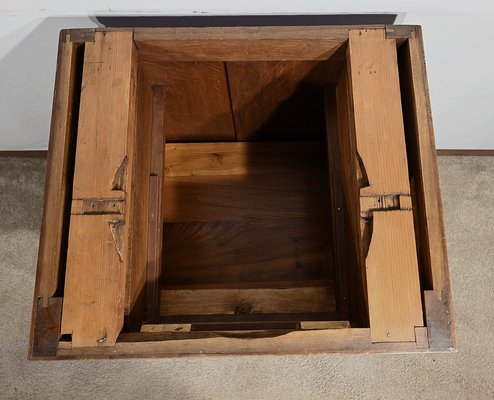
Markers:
{"x": 458, "y": 36}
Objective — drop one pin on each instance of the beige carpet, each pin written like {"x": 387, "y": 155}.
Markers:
{"x": 468, "y": 191}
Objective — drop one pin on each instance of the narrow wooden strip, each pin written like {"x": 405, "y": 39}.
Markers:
{"x": 309, "y": 325}
{"x": 346, "y": 143}
{"x": 247, "y": 318}
{"x": 295, "y": 342}
{"x": 379, "y": 130}
{"x": 231, "y": 301}
{"x": 57, "y": 180}
{"x": 395, "y": 306}
{"x": 155, "y": 226}
{"x": 165, "y": 328}
{"x": 337, "y": 201}
{"x": 240, "y": 158}
{"x": 97, "y": 206}
{"x": 428, "y": 165}
{"x": 238, "y": 50}
{"x": 245, "y": 33}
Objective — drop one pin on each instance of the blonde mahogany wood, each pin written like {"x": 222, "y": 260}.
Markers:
{"x": 98, "y": 246}
{"x": 393, "y": 287}
{"x": 228, "y": 301}
{"x": 377, "y": 113}
{"x": 395, "y": 307}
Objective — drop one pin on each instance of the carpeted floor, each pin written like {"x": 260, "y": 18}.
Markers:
{"x": 468, "y": 192}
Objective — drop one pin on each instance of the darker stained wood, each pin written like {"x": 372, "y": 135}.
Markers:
{"x": 346, "y": 150}
{"x": 298, "y": 195}
{"x": 197, "y": 100}
{"x": 337, "y": 202}
{"x": 238, "y": 252}
{"x": 46, "y": 328}
{"x": 155, "y": 226}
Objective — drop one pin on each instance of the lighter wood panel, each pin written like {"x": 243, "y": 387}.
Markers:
{"x": 226, "y": 301}
{"x": 239, "y": 158}
{"x": 99, "y": 246}
{"x": 378, "y": 117}
{"x": 93, "y": 306}
{"x": 395, "y": 307}
{"x": 104, "y": 116}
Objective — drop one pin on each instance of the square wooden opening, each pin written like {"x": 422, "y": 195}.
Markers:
{"x": 241, "y": 190}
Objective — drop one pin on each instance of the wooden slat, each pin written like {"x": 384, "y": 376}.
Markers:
{"x": 98, "y": 247}
{"x": 244, "y": 33}
{"x": 387, "y": 243}
{"x": 172, "y": 344}
{"x": 230, "y": 198}
{"x": 155, "y": 219}
{"x": 395, "y": 307}
{"x": 309, "y": 325}
{"x": 378, "y": 117}
{"x": 237, "y": 50}
{"x": 277, "y": 254}
{"x": 56, "y": 182}
{"x": 104, "y": 116}
{"x": 429, "y": 174}
{"x": 229, "y": 301}
{"x": 93, "y": 306}
{"x": 335, "y": 167}
{"x": 240, "y": 158}
{"x": 166, "y": 328}
{"x": 197, "y": 99}
{"x": 345, "y": 141}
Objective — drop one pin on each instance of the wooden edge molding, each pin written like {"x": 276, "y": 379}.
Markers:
{"x": 180, "y": 344}
{"x": 440, "y": 152}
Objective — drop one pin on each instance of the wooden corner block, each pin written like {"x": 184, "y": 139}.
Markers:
{"x": 421, "y": 337}
{"x": 440, "y": 327}
{"x": 46, "y": 327}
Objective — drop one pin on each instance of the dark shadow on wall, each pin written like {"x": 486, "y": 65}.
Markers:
{"x": 245, "y": 20}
